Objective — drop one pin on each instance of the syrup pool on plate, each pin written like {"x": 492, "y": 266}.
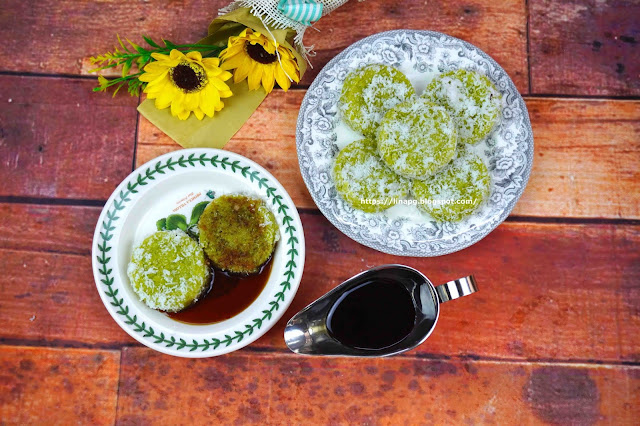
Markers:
{"x": 228, "y": 295}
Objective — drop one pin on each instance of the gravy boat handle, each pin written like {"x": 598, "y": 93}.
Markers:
{"x": 456, "y": 288}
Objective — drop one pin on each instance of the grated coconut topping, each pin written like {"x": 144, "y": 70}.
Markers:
{"x": 168, "y": 270}
{"x": 470, "y": 98}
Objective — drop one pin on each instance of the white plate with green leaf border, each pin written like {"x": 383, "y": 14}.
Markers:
{"x": 172, "y": 185}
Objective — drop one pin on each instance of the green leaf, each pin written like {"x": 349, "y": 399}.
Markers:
{"x": 175, "y": 221}
{"x": 197, "y": 212}
{"x": 150, "y": 42}
{"x": 161, "y": 224}
{"x": 121, "y": 43}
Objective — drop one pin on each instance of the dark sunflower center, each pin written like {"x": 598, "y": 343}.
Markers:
{"x": 258, "y": 54}
{"x": 189, "y": 77}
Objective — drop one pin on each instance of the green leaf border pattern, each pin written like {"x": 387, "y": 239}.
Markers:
{"x": 106, "y": 234}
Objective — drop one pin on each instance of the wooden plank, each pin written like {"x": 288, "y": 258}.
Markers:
{"x": 34, "y": 227}
{"x": 60, "y": 140}
{"x": 58, "y": 41}
{"x": 548, "y": 291}
{"x": 53, "y": 386}
{"x": 587, "y": 154}
{"x": 585, "y": 47}
{"x": 586, "y": 159}
{"x": 51, "y": 299}
{"x": 284, "y": 388}
{"x": 268, "y": 138}
{"x": 473, "y": 21}
{"x": 57, "y": 38}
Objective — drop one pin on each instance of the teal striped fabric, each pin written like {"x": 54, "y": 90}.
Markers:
{"x": 303, "y": 11}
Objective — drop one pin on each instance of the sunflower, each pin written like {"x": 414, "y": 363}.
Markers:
{"x": 257, "y": 58}
{"x": 188, "y": 83}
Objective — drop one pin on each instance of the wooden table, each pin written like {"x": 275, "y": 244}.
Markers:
{"x": 552, "y": 337}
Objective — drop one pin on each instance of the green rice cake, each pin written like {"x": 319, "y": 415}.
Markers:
{"x": 363, "y": 181}
{"x": 457, "y": 191}
{"x": 417, "y": 138}
{"x": 369, "y": 92}
{"x": 168, "y": 271}
{"x": 471, "y": 99}
{"x": 238, "y": 233}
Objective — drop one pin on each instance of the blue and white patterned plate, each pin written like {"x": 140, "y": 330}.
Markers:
{"x": 403, "y": 229}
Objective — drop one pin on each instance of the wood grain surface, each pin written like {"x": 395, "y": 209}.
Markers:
{"x": 580, "y": 47}
{"x": 551, "y": 338}
{"x": 470, "y": 20}
{"x": 587, "y": 154}
{"x": 245, "y": 388}
{"x": 59, "y": 229}
{"x": 586, "y": 159}
{"x": 548, "y": 290}
{"x": 59, "y": 36}
{"x": 60, "y": 140}
{"x": 64, "y": 25}
{"x": 576, "y": 47}
{"x": 51, "y": 299}
{"x": 37, "y": 384}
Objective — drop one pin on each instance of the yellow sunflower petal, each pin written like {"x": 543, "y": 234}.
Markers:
{"x": 233, "y": 62}
{"x": 243, "y": 70}
{"x": 285, "y": 53}
{"x": 160, "y": 57}
{"x": 225, "y": 75}
{"x": 177, "y": 105}
{"x": 206, "y": 104}
{"x": 255, "y": 76}
{"x": 282, "y": 79}
{"x": 191, "y": 101}
{"x": 159, "y": 87}
{"x": 213, "y": 94}
{"x": 232, "y": 50}
{"x": 291, "y": 69}
{"x": 194, "y": 56}
{"x": 148, "y": 77}
{"x": 156, "y": 67}
{"x": 268, "y": 78}
{"x": 176, "y": 55}
{"x": 153, "y": 78}
{"x": 269, "y": 47}
{"x": 198, "y": 113}
{"x": 219, "y": 84}
{"x": 163, "y": 100}
{"x": 211, "y": 62}
{"x": 184, "y": 114}
{"x": 214, "y": 73}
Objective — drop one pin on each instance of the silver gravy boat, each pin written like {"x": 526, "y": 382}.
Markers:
{"x": 309, "y": 331}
